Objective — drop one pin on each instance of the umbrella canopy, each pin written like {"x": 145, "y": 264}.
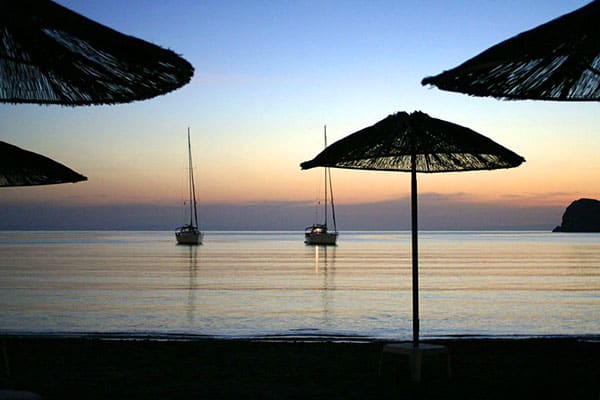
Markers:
{"x": 19, "y": 167}
{"x": 52, "y": 55}
{"x": 559, "y": 60}
{"x": 415, "y": 143}
{"x": 435, "y": 146}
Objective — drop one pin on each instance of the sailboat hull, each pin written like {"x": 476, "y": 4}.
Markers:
{"x": 318, "y": 234}
{"x": 321, "y": 238}
{"x": 189, "y": 237}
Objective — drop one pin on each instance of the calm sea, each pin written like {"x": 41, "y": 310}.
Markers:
{"x": 245, "y": 284}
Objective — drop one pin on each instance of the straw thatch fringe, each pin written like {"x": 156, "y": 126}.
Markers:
{"x": 19, "y": 167}
{"x": 51, "y": 55}
{"x": 559, "y": 60}
{"x": 438, "y": 146}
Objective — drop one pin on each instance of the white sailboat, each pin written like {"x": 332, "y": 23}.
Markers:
{"x": 190, "y": 233}
{"x": 318, "y": 233}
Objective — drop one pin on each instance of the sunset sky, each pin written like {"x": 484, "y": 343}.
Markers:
{"x": 269, "y": 75}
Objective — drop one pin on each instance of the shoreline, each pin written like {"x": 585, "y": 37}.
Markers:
{"x": 114, "y": 368}
{"x": 285, "y": 337}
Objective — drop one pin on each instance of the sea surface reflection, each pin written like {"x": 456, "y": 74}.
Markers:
{"x": 241, "y": 284}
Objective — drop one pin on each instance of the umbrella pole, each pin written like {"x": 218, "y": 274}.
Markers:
{"x": 415, "y": 251}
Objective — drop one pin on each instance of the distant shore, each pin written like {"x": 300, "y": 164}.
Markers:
{"x": 114, "y": 368}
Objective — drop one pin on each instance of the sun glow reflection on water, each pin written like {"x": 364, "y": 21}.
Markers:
{"x": 260, "y": 283}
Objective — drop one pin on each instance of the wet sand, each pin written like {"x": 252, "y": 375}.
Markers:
{"x": 92, "y": 368}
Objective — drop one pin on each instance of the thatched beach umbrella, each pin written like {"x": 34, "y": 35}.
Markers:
{"x": 52, "y": 55}
{"x": 415, "y": 143}
{"x": 19, "y": 167}
{"x": 559, "y": 60}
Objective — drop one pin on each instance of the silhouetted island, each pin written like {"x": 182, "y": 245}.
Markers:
{"x": 582, "y": 215}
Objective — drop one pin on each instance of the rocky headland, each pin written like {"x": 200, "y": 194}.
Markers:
{"x": 582, "y": 215}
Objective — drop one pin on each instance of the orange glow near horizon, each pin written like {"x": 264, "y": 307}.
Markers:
{"x": 151, "y": 168}
{"x": 522, "y": 186}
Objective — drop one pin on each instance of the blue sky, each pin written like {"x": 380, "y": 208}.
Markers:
{"x": 270, "y": 74}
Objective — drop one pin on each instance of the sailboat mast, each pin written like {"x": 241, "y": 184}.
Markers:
{"x": 192, "y": 185}
{"x": 332, "y": 205}
{"x": 325, "y": 136}
{"x": 190, "y": 176}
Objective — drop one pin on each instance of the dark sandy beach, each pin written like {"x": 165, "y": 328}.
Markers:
{"x": 92, "y": 368}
